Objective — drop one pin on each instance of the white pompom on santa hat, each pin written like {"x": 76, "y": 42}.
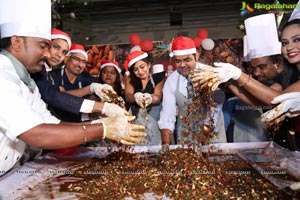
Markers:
{"x": 78, "y": 48}
{"x": 182, "y": 46}
{"x": 58, "y": 34}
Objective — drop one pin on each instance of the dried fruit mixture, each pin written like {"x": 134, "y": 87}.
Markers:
{"x": 180, "y": 174}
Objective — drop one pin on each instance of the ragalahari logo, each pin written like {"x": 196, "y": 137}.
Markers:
{"x": 274, "y": 7}
{"x": 246, "y": 8}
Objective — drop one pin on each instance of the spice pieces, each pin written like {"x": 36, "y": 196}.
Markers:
{"x": 181, "y": 174}
{"x": 111, "y": 97}
{"x": 199, "y": 118}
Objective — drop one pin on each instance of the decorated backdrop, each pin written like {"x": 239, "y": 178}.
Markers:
{"x": 224, "y": 50}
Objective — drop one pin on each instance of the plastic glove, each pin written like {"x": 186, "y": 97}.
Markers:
{"x": 295, "y": 186}
{"x": 164, "y": 149}
{"x": 118, "y": 129}
{"x": 113, "y": 110}
{"x": 143, "y": 99}
{"x": 147, "y": 99}
{"x": 102, "y": 90}
{"x": 213, "y": 76}
{"x": 289, "y": 106}
{"x": 138, "y": 97}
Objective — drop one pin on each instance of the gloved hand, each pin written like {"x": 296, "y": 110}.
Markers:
{"x": 143, "y": 99}
{"x": 147, "y": 99}
{"x": 139, "y": 99}
{"x": 164, "y": 149}
{"x": 214, "y": 76}
{"x": 289, "y": 106}
{"x": 113, "y": 110}
{"x": 102, "y": 90}
{"x": 118, "y": 129}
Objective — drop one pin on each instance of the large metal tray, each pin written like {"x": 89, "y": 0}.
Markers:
{"x": 18, "y": 183}
{"x": 278, "y": 165}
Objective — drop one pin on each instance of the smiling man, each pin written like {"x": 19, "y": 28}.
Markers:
{"x": 71, "y": 77}
{"x": 176, "y": 95}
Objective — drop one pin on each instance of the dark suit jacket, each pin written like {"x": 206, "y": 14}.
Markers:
{"x": 53, "y": 97}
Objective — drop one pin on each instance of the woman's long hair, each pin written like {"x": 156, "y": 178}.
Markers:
{"x": 134, "y": 80}
{"x": 292, "y": 22}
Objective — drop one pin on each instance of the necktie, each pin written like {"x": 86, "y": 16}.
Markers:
{"x": 190, "y": 88}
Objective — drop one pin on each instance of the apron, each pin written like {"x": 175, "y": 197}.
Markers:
{"x": 182, "y": 102}
{"x": 149, "y": 117}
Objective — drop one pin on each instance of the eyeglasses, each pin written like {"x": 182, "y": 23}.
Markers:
{"x": 78, "y": 60}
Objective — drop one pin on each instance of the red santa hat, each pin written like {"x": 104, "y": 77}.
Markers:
{"x": 134, "y": 57}
{"x": 182, "y": 46}
{"x": 78, "y": 48}
{"x": 115, "y": 64}
{"x": 58, "y": 34}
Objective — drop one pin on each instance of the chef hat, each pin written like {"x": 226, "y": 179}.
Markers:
{"x": 246, "y": 50}
{"x": 157, "y": 68}
{"x": 182, "y": 46}
{"x": 58, "y": 34}
{"x": 262, "y": 36}
{"x": 296, "y": 12}
{"x": 78, "y": 48}
{"x": 29, "y": 18}
{"x": 115, "y": 64}
{"x": 134, "y": 57}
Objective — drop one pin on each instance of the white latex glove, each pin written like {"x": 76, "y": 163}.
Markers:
{"x": 139, "y": 99}
{"x": 165, "y": 149}
{"x": 143, "y": 99}
{"x": 118, "y": 129}
{"x": 113, "y": 110}
{"x": 289, "y": 106}
{"x": 102, "y": 90}
{"x": 227, "y": 71}
{"x": 147, "y": 99}
{"x": 295, "y": 186}
{"x": 214, "y": 76}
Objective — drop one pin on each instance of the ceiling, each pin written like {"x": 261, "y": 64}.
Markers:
{"x": 151, "y": 14}
{"x": 120, "y": 16}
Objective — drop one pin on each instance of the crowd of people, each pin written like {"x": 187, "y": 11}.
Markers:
{"x": 50, "y": 102}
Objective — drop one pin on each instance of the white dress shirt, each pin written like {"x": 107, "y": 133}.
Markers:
{"x": 168, "y": 112}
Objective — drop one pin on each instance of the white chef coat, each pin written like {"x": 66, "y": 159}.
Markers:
{"x": 20, "y": 110}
